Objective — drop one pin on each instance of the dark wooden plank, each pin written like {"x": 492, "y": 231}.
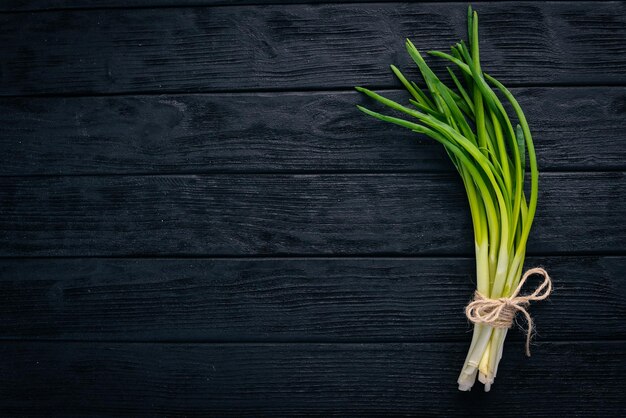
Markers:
{"x": 290, "y": 299}
{"x": 36, "y": 5}
{"x": 574, "y": 129}
{"x": 300, "y": 46}
{"x": 290, "y": 214}
{"x": 78, "y": 379}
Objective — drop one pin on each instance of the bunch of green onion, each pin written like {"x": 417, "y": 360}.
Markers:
{"x": 489, "y": 152}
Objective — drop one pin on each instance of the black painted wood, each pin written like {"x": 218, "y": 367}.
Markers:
{"x": 78, "y": 379}
{"x": 286, "y": 166}
{"x": 290, "y": 214}
{"x": 240, "y": 300}
{"x": 300, "y": 46}
{"x": 574, "y": 129}
{"x": 36, "y": 5}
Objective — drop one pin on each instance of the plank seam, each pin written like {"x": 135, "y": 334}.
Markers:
{"x": 347, "y": 256}
{"x": 348, "y": 172}
{"x": 289, "y": 258}
{"x": 298, "y": 173}
{"x": 321, "y": 89}
{"x": 279, "y": 342}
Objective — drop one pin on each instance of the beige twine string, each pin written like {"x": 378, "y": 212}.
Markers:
{"x": 500, "y": 313}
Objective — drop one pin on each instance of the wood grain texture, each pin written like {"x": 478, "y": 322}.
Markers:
{"x": 573, "y": 128}
{"x": 78, "y": 379}
{"x": 300, "y": 46}
{"x": 274, "y": 161}
{"x": 365, "y": 300}
{"x": 42, "y": 5}
{"x": 290, "y": 214}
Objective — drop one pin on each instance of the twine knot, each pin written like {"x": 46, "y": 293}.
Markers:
{"x": 500, "y": 313}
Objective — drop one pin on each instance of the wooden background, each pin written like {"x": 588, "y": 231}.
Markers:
{"x": 195, "y": 220}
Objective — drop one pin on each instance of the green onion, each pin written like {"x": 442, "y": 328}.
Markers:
{"x": 489, "y": 151}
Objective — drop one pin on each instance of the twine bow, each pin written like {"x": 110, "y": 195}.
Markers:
{"x": 500, "y": 313}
